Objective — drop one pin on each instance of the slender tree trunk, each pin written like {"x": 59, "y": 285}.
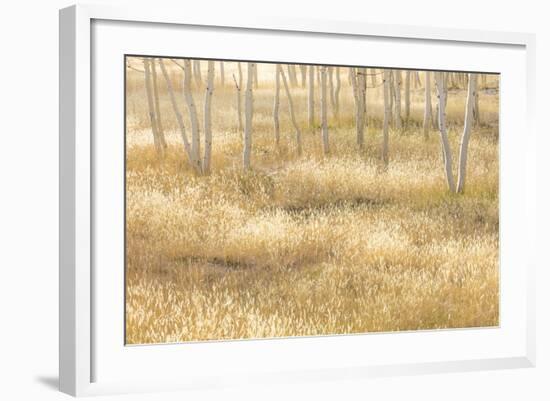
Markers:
{"x": 239, "y": 98}
{"x": 476, "y": 117}
{"x": 392, "y": 94}
{"x": 291, "y": 110}
{"x": 469, "y": 114}
{"x": 330, "y": 78}
{"x": 418, "y": 83}
{"x": 363, "y": 93}
{"x": 447, "y": 157}
{"x": 311, "y": 98}
{"x": 293, "y": 79}
{"x": 276, "y": 126}
{"x": 247, "y": 148}
{"x": 407, "y": 95}
{"x": 398, "y": 123}
{"x": 303, "y": 73}
{"x": 208, "y": 118}
{"x": 255, "y": 76}
{"x": 427, "y": 104}
{"x": 179, "y": 117}
{"x": 197, "y": 73}
{"x": 337, "y": 94}
{"x": 386, "y": 123}
{"x": 151, "y": 105}
{"x": 195, "y": 130}
{"x": 324, "y": 124}
{"x": 222, "y": 74}
{"x": 356, "y": 85}
{"x": 160, "y": 128}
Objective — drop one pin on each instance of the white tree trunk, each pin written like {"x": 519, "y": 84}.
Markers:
{"x": 195, "y": 129}
{"x": 239, "y": 99}
{"x": 247, "y": 148}
{"x": 311, "y": 98}
{"x": 447, "y": 157}
{"x": 337, "y": 93}
{"x": 324, "y": 124}
{"x": 197, "y": 73}
{"x": 386, "y": 123}
{"x": 276, "y": 101}
{"x": 255, "y": 76}
{"x": 292, "y": 77}
{"x": 363, "y": 93}
{"x": 468, "y": 117}
{"x": 151, "y": 105}
{"x": 208, "y": 118}
{"x": 160, "y": 128}
{"x": 392, "y": 94}
{"x": 222, "y": 74}
{"x": 291, "y": 110}
{"x": 407, "y": 95}
{"x": 179, "y": 117}
{"x": 357, "y": 80}
{"x": 330, "y": 78}
{"x": 303, "y": 73}
{"x": 427, "y": 104}
{"x": 397, "y": 75}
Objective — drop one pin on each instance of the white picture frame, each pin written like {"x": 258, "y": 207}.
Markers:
{"x": 79, "y": 344}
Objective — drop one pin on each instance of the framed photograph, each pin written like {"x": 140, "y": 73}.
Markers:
{"x": 275, "y": 200}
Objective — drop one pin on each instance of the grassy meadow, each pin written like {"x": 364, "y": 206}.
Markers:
{"x": 313, "y": 244}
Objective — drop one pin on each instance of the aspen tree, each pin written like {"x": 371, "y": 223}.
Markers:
{"x": 293, "y": 79}
{"x": 386, "y": 123}
{"x": 195, "y": 130}
{"x": 311, "y": 97}
{"x": 363, "y": 93}
{"x": 447, "y": 157}
{"x": 239, "y": 107}
{"x": 208, "y": 118}
{"x": 197, "y": 73}
{"x": 397, "y": 88}
{"x": 330, "y": 78}
{"x": 239, "y": 98}
{"x": 276, "y": 126}
{"x": 291, "y": 110}
{"x": 427, "y": 104}
{"x": 222, "y": 74}
{"x": 151, "y": 105}
{"x": 247, "y": 148}
{"x": 337, "y": 93}
{"x": 418, "y": 83}
{"x": 255, "y": 76}
{"x": 179, "y": 117}
{"x": 303, "y": 73}
{"x": 373, "y": 77}
{"x": 356, "y": 85}
{"x": 407, "y": 95}
{"x": 468, "y": 117}
{"x": 324, "y": 125}
{"x": 476, "y": 107}
{"x": 392, "y": 94}
{"x": 160, "y": 128}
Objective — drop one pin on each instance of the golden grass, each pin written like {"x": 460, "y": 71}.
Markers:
{"x": 308, "y": 245}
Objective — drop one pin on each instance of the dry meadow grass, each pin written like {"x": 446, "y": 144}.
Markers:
{"x": 309, "y": 245}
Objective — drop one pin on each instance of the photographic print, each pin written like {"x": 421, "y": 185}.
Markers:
{"x": 267, "y": 200}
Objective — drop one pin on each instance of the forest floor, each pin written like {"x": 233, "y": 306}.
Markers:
{"x": 311, "y": 244}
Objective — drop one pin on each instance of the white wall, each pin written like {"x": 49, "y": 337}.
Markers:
{"x": 29, "y": 184}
